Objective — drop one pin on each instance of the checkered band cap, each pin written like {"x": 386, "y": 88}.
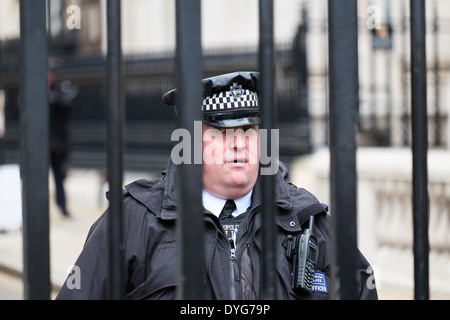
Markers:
{"x": 235, "y": 98}
{"x": 229, "y": 100}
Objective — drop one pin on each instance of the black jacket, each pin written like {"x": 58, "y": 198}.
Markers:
{"x": 150, "y": 212}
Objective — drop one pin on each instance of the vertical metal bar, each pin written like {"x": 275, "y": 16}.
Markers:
{"x": 268, "y": 114}
{"x": 419, "y": 148}
{"x": 388, "y": 57}
{"x": 343, "y": 55}
{"x": 303, "y": 74}
{"x": 404, "y": 77}
{"x": 115, "y": 116}
{"x": 49, "y": 18}
{"x": 437, "y": 112}
{"x": 190, "y": 223}
{"x": 34, "y": 134}
{"x": 373, "y": 92}
{"x": 326, "y": 74}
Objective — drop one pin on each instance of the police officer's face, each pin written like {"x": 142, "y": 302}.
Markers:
{"x": 230, "y": 160}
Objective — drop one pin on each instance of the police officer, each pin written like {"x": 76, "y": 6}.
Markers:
{"x": 232, "y": 214}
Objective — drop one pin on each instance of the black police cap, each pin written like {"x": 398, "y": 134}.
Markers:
{"x": 229, "y": 100}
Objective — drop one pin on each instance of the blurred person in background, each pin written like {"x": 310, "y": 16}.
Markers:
{"x": 60, "y": 96}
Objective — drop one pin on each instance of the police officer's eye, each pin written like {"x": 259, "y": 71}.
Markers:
{"x": 249, "y": 129}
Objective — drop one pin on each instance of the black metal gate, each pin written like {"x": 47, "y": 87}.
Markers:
{"x": 343, "y": 81}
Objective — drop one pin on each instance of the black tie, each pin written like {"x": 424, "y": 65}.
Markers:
{"x": 228, "y": 208}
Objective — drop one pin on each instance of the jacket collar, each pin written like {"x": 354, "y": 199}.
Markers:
{"x": 158, "y": 195}
{"x": 282, "y": 197}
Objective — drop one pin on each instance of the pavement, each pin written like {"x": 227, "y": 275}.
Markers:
{"x": 85, "y": 190}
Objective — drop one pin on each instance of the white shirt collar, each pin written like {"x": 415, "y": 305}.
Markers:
{"x": 215, "y": 204}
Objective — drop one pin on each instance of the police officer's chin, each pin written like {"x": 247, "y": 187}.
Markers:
{"x": 241, "y": 178}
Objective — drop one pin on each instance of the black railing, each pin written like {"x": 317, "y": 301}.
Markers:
{"x": 269, "y": 121}
{"x": 343, "y": 111}
{"x": 419, "y": 149}
{"x": 190, "y": 224}
{"x": 115, "y": 119}
{"x": 344, "y": 97}
{"x": 34, "y": 161}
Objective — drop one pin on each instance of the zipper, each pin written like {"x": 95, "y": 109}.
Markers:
{"x": 233, "y": 266}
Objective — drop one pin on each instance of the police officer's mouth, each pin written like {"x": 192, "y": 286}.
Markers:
{"x": 238, "y": 161}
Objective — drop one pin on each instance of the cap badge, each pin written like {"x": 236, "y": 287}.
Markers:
{"x": 236, "y": 91}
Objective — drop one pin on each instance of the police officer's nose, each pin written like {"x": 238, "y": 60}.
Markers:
{"x": 238, "y": 139}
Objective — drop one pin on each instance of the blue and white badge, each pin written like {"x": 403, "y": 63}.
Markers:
{"x": 236, "y": 91}
{"x": 319, "y": 283}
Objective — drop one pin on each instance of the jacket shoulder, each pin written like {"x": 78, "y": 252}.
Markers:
{"x": 147, "y": 192}
{"x": 306, "y": 204}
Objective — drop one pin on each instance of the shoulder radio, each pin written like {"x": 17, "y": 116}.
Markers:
{"x": 303, "y": 251}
